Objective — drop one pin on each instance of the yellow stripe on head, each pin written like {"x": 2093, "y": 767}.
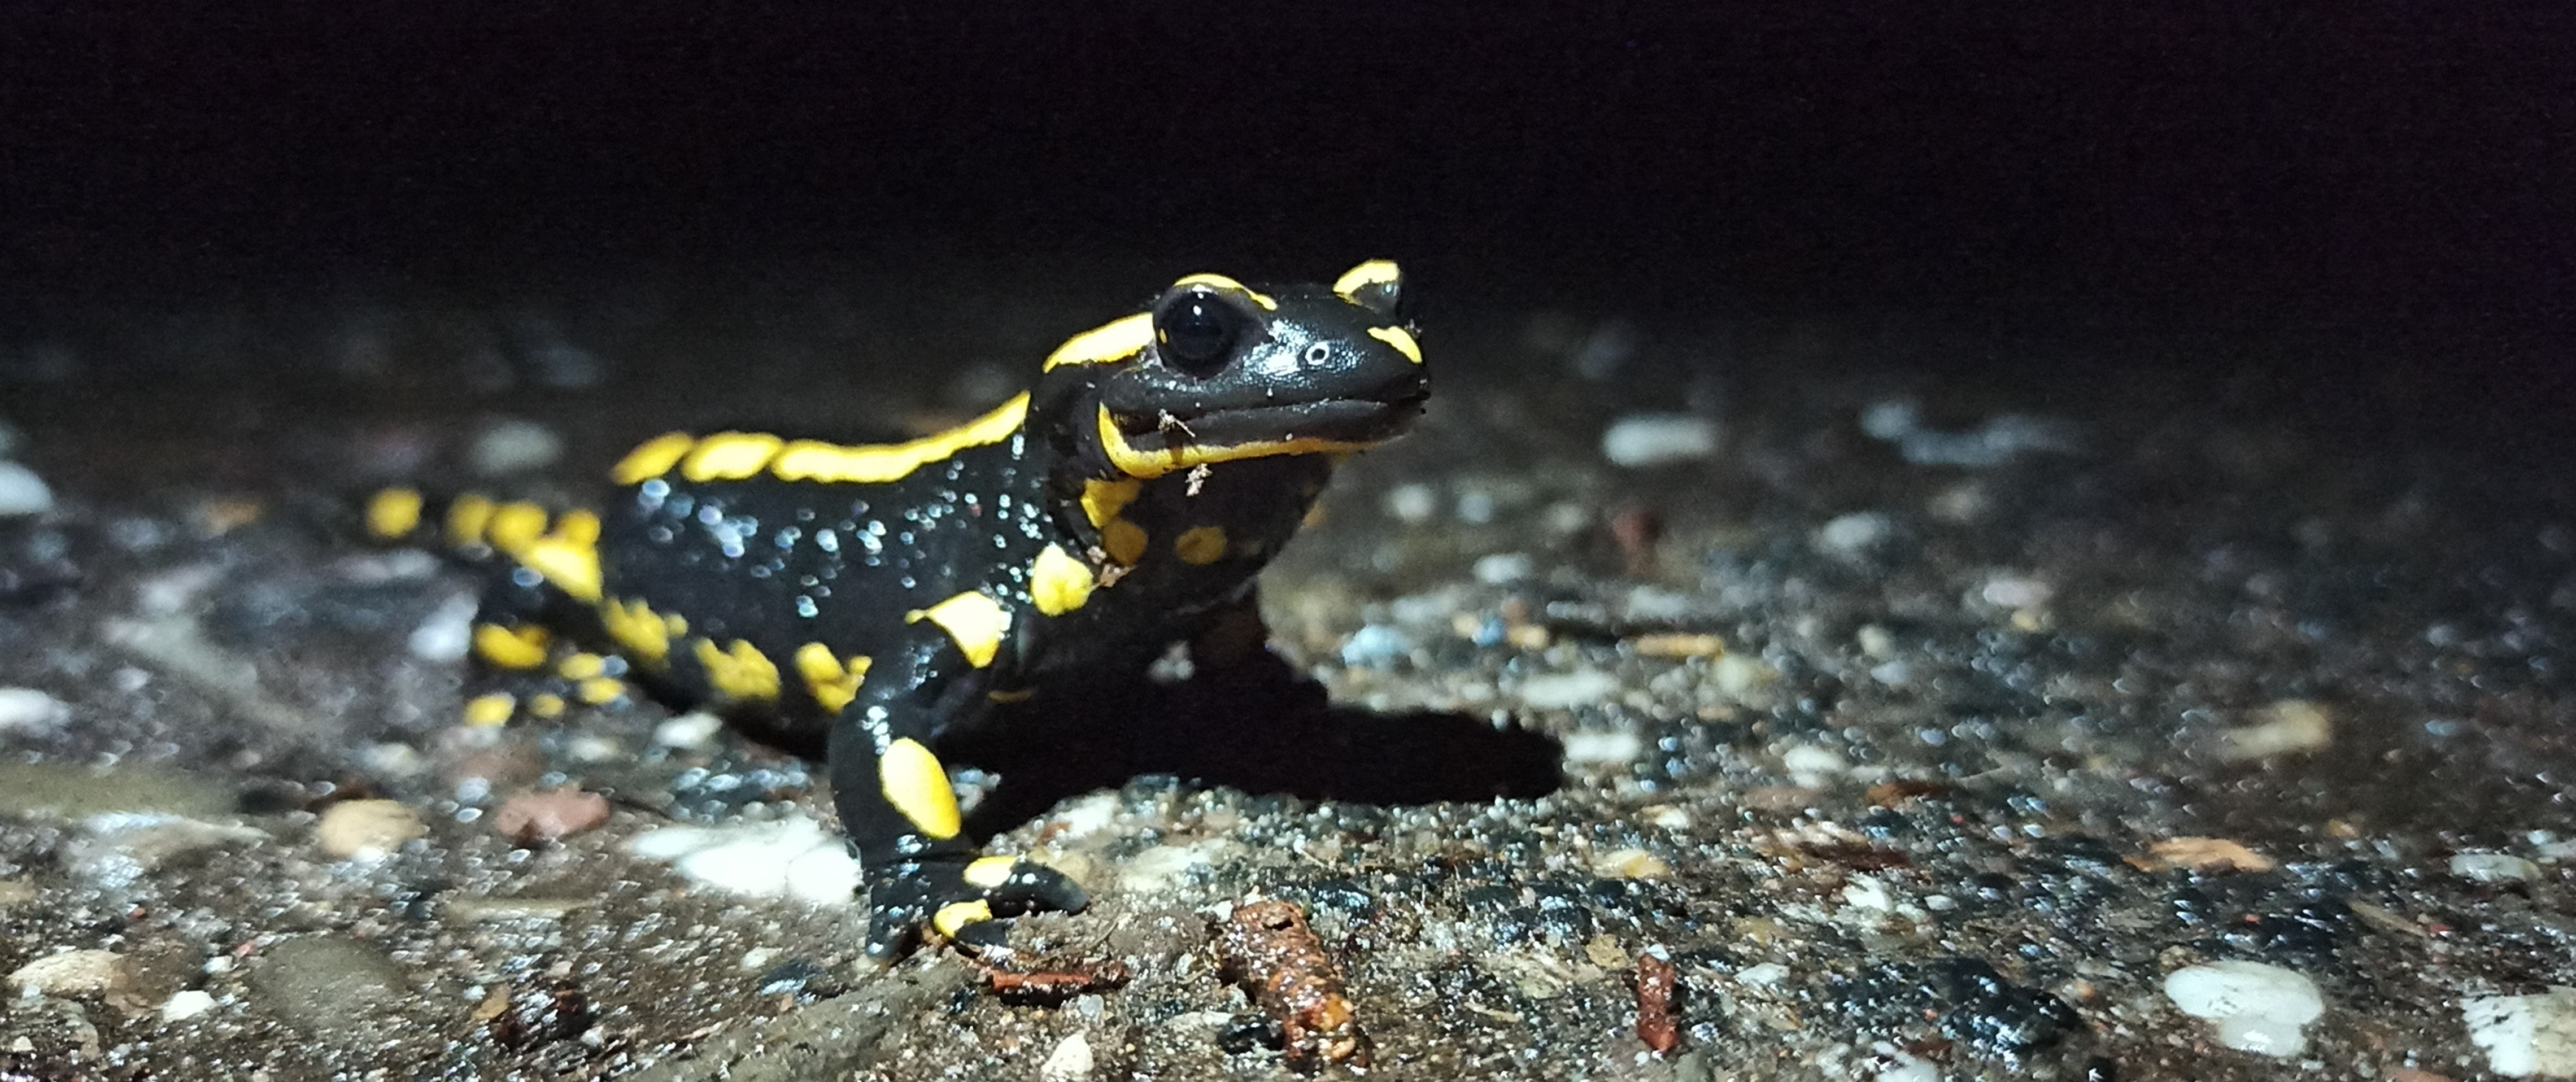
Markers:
{"x": 1151, "y": 464}
{"x": 912, "y": 780}
{"x": 394, "y": 512}
{"x": 1113, "y": 341}
{"x": 1401, "y": 339}
{"x": 975, "y": 621}
{"x": 1376, "y": 273}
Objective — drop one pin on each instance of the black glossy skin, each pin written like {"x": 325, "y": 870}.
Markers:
{"x": 781, "y": 564}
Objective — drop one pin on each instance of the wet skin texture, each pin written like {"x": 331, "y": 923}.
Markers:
{"x": 888, "y": 594}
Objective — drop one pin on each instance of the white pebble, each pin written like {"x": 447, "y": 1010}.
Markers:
{"x": 1854, "y": 534}
{"x": 446, "y": 634}
{"x": 1763, "y": 975}
{"x": 514, "y": 446}
{"x": 1657, "y": 439}
{"x": 1070, "y": 1062}
{"x": 688, "y": 730}
{"x": 789, "y": 858}
{"x": 1087, "y": 815}
{"x": 2284, "y": 727}
{"x": 1603, "y": 746}
{"x": 2258, "y": 1008}
{"x": 2493, "y": 867}
{"x": 1563, "y": 691}
{"x": 29, "y": 711}
{"x": 2016, "y": 592}
{"x": 71, "y": 973}
{"x": 2525, "y": 1035}
{"x": 22, "y": 492}
{"x": 187, "y": 1003}
{"x": 1813, "y": 765}
{"x": 1503, "y": 567}
{"x": 1412, "y": 503}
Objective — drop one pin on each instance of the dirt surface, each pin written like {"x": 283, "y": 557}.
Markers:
{"x": 1926, "y": 726}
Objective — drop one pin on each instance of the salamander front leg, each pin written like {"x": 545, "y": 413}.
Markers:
{"x": 902, "y": 821}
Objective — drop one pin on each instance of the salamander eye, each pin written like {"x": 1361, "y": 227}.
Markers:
{"x": 1198, "y": 331}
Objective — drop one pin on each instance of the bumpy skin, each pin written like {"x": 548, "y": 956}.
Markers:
{"x": 892, "y": 593}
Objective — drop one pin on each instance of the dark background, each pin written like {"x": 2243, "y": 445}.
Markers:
{"x": 2398, "y": 175}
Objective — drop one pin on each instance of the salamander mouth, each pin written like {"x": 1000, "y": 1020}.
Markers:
{"x": 1152, "y": 446}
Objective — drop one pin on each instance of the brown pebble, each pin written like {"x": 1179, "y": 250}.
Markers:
{"x": 543, "y": 815}
{"x": 1657, "y": 982}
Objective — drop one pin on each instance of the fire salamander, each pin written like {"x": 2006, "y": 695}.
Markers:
{"x": 891, "y": 593}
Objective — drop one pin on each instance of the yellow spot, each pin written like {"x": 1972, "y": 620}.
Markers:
{"x": 546, "y": 706}
{"x": 1007, "y": 695}
{"x": 466, "y": 519}
{"x": 643, "y": 633}
{"x": 1102, "y": 500}
{"x": 512, "y": 647}
{"x": 1058, "y": 582}
{"x": 729, "y": 456}
{"x": 1152, "y": 464}
{"x": 1401, "y": 339}
{"x": 1113, "y": 341}
{"x": 831, "y": 681}
{"x": 741, "y": 673}
{"x": 394, "y": 512}
{"x": 977, "y": 623}
{"x": 567, "y": 556}
{"x": 990, "y": 873}
{"x": 815, "y": 460}
{"x": 955, "y": 916}
{"x": 1222, "y": 282}
{"x": 1200, "y": 545}
{"x": 914, "y": 782}
{"x": 485, "y": 711}
{"x": 1124, "y": 541}
{"x": 652, "y": 458}
{"x": 600, "y": 690}
{"x": 581, "y": 666}
{"x": 515, "y": 525}
{"x": 1375, "y": 272}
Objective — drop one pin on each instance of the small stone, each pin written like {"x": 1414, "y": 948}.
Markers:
{"x": 1564, "y": 691}
{"x": 2525, "y": 1036}
{"x": 2206, "y": 854}
{"x": 1604, "y": 951}
{"x": 1854, "y": 535}
{"x": 2285, "y": 727}
{"x": 789, "y": 858}
{"x": 72, "y": 973}
{"x": 31, "y": 712}
{"x": 1678, "y": 644}
{"x": 2479, "y": 867}
{"x": 1412, "y": 503}
{"x": 1070, "y": 1062}
{"x": 688, "y": 730}
{"x": 1603, "y": 746}
{"x": 1630, "y": 864}
{"x": 1813, "y": 766}
{"x": 2258, "y": 1008}
{"x": 514, "y": 446}
{"x": 22, "y": 492}
{"x": 548, "y": 814}
{"x": 187, "y": 1003}
{"x": 328, "y": 984}
{"x": 1503, "y": 567}
{"x": 367, "y": 828}
{"x": 1657, "y": 439}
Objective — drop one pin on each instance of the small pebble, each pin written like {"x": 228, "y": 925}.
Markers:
{"x": 367, "y": 828}
{"x": 72, "y": 973}
{"x": 1413, "y": 503}
{"x": 22, "y": 492}
{"x": 1070, "y": 1062}
{"x": 1603, "y": 746}
{"x": 31, "y": 712}
{"x": 1657, "y": 439}
{"x": 1854, "y": 535}
{"x": 1503, "y": 567}
{"x": 688, "y": 730}
{"x": 2258, "y": 1008}
{"x": 514, "y": 446}
{"x": 1813, "y": 766}
{"x": 2284, "y": 727}
{"x": 329, "y": 984}
{"x": 1630, "y": 864}
{"x": 789, "y": 858}
{"x": 2525, "y": 1036}
{"x": 1564, "y": 691}
{"x": 1375, "y": 645}
{"x": 446, "y": 633}
{"x": 2477, "y": 867}
{"x": 187, "y": 1003}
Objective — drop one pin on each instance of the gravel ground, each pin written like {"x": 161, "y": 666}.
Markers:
{"x": 2126, "y": 726}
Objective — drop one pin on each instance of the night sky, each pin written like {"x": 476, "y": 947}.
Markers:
{"x": 2386, "y": 170}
